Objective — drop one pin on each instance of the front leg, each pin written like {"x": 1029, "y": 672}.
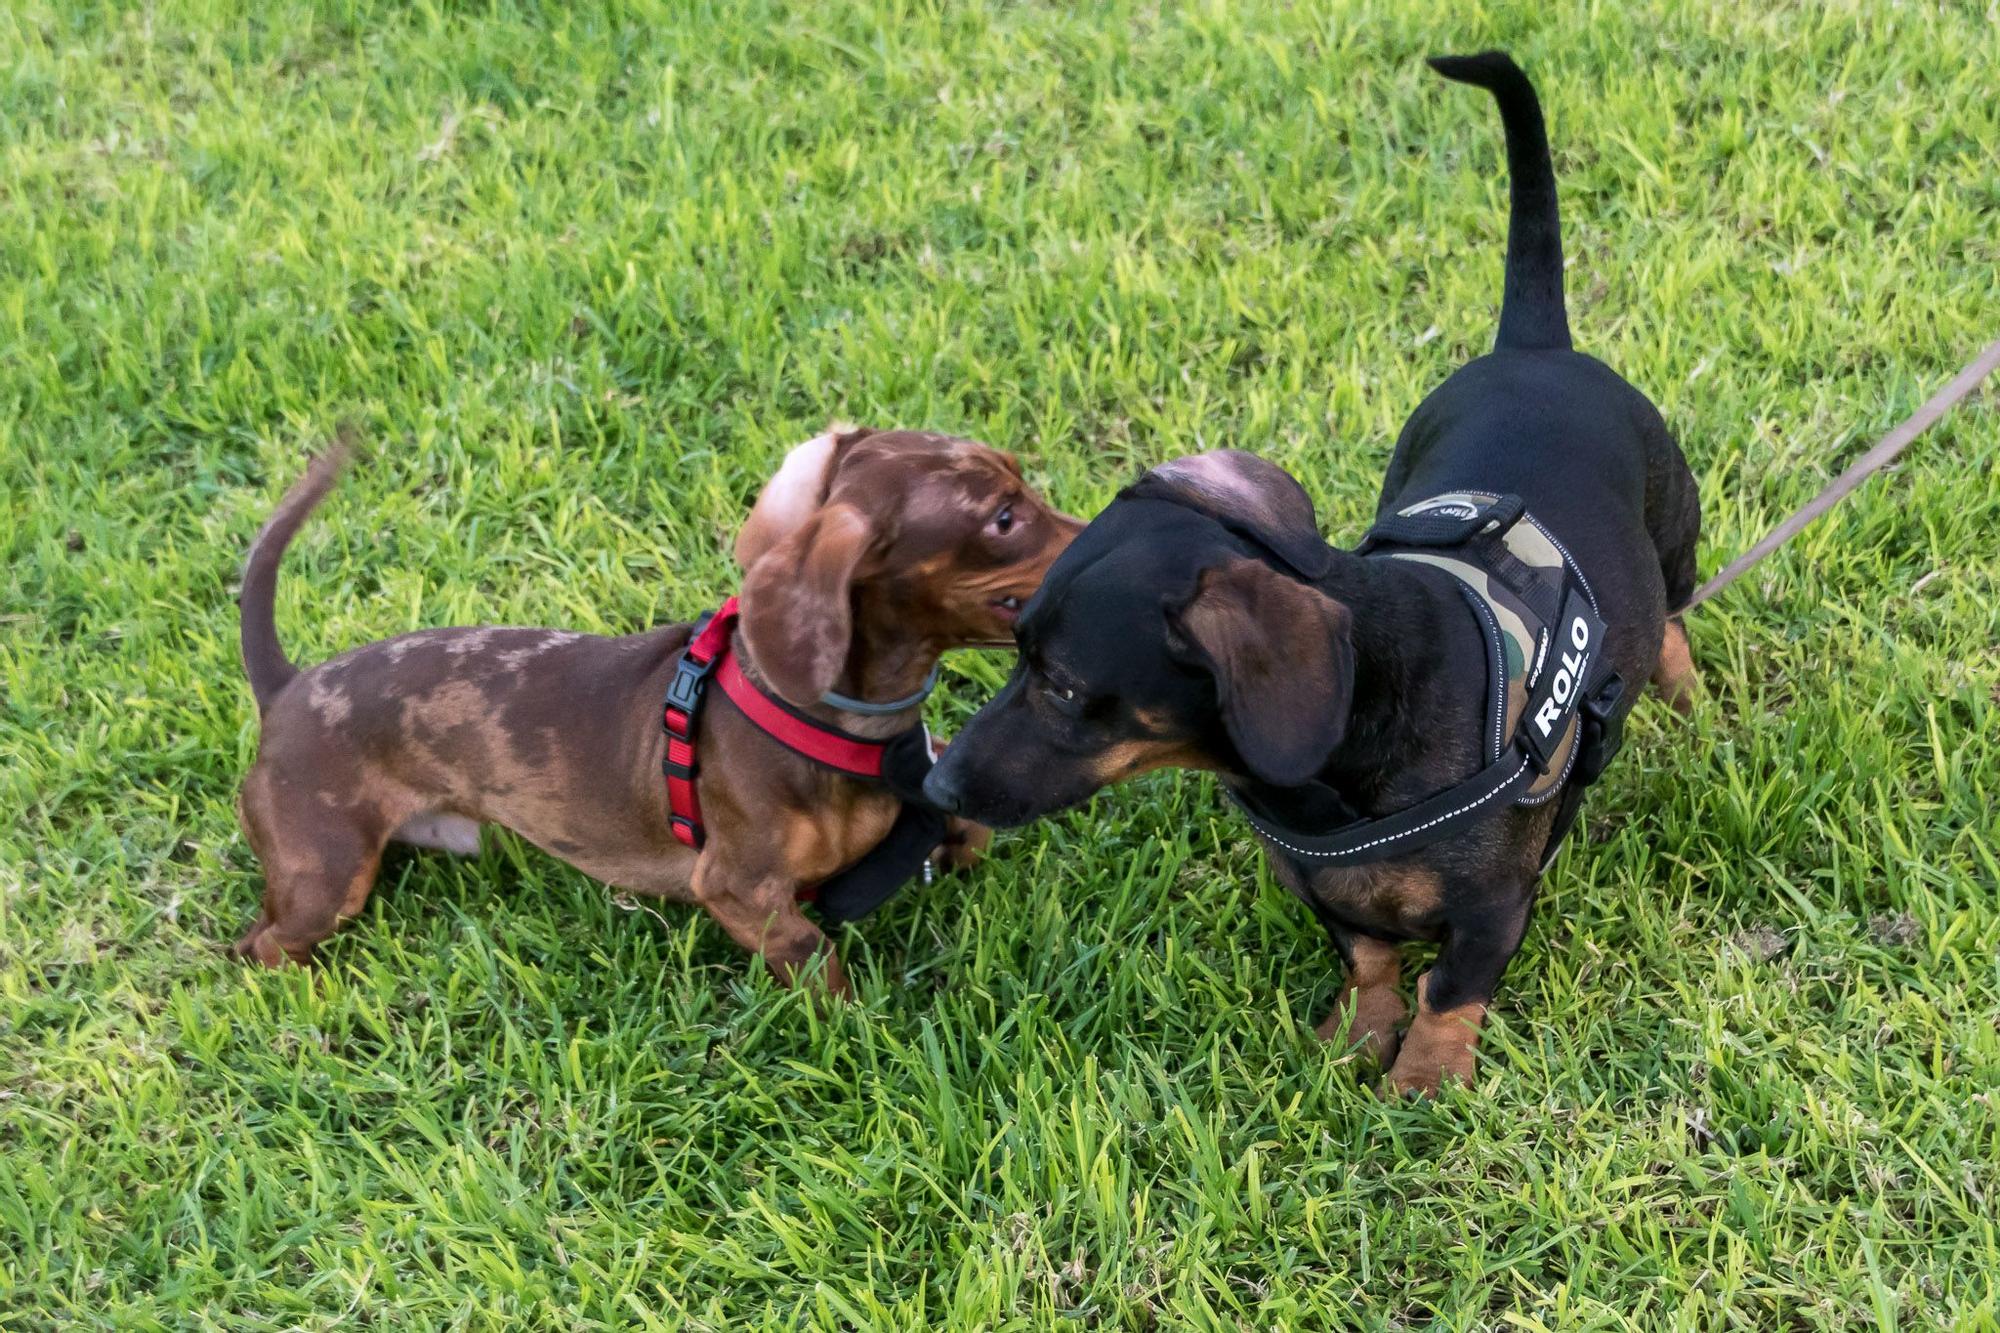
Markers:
{"x": 964, "y": 843}
{"x": 761, "y": 913}
{"x": 1370, "y": 1006}
{"x": 1452, "y": 997}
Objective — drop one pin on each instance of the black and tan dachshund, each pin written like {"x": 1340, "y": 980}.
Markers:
{"x": 1201, "y": 622}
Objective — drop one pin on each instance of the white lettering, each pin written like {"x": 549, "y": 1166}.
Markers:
{"x": 1568, "y": 677}
{"x": 1565, "y": 683}
{"x": 1545, "y": 717}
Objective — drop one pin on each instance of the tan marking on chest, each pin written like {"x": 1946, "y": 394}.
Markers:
{"x": 818, "y": 843}
{"x": 1387, "y": 893}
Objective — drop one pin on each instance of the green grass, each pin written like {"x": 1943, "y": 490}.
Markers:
{"x": 582, "y": 275}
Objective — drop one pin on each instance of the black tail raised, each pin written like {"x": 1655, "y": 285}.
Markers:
{"x": 1531, "y": 308}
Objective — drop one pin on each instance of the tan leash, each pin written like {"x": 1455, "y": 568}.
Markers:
{"x": 1873, "y": 461}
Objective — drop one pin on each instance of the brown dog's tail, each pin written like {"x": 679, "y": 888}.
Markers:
{"x": 264, "y": 659}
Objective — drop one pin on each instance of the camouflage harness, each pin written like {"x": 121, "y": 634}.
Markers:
{"x": 1552, "y": 698}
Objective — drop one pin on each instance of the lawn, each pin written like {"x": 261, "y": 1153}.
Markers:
{"x": 581, "y": 274}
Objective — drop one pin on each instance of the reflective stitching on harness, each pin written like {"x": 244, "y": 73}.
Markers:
{"x": 1392, "y": 837}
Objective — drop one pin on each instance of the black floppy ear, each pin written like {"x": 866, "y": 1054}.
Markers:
{"x": 1249, "y": 496}
{"x": 1283, "y": 663}
{"x": 798, "y": 618}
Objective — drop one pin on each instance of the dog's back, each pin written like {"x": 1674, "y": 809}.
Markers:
{"x": 1587, "y": 452}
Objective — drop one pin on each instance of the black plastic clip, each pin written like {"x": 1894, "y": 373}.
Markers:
{"x": 1603, "y": 731}
{"x": 691, "y": 675}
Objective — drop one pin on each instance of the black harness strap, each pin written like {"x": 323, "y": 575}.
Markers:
{"x": 904, "y": 852}
{"x": 1557, "y": 638}
{"x": 1491, "y": 788}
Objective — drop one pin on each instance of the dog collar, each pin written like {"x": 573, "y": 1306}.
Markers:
{"x": 848, "y": 703}
{"x": 1552, "y": 699}
{"x": 900, "y": 763}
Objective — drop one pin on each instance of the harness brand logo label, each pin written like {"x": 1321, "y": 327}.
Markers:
{"x": 1569, "y": 677}
{"x": 1447, "y": 508}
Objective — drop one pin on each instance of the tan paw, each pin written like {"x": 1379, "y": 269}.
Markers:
{"x": 1675, "y": 677}
{"x": 1439, "y": 1048}
{"x": 1422, "y": 1078}
{"x": 964, "y": 844}
{"x": 1377, "y": 1011}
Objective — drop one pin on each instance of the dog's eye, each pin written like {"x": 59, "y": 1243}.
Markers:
{"x": 1063, "y": 698}
{"x": 1002, "y": 522}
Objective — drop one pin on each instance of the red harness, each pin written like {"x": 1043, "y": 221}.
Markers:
{"x": 708, "y": 654}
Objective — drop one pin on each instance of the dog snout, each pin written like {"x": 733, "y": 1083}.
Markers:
{"x": 941, "y": 789}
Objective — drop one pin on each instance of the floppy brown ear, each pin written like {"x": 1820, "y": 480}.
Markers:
{"x": 1283, "y": 663}
{"x": 795, "y": 490}
{"x": 797, "y": 616}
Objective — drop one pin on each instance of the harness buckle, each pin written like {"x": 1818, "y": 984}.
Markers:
{"x": 1603, "y": 730}
{"x": 685, "y": 689}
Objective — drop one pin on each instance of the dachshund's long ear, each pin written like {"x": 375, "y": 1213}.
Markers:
{"x": 1250, "y": 496}
{"x": 1283, "y": 663}
{"x": 798, "y": 488}
{"x": 798, "y": 617}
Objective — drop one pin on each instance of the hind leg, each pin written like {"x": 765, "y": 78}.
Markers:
{"x": 1675, "y": 677}
{"x": 319, "y": 866}
{"x": 1673, "y": 520}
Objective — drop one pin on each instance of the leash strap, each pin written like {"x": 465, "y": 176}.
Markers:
{"x": 1880, "y": 456}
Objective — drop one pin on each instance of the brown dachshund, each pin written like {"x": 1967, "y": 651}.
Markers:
{"x": 865, "y": 557}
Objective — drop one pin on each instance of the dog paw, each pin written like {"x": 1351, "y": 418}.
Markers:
{"x": 1416, "y": 1074}
{"x": 1377, "y": 1011}
{"x": 964, "y": 843}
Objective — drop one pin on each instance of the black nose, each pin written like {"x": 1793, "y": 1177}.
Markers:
{"x": 942, "y": 792}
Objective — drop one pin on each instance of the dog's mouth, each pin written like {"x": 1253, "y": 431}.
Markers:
{"x": 1005, "y": 611}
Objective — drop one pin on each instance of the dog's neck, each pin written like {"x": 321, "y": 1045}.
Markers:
{"x": 881, "y": 666}
{"x": 1419, "y": 680}
{"x": 888, "y": 658}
